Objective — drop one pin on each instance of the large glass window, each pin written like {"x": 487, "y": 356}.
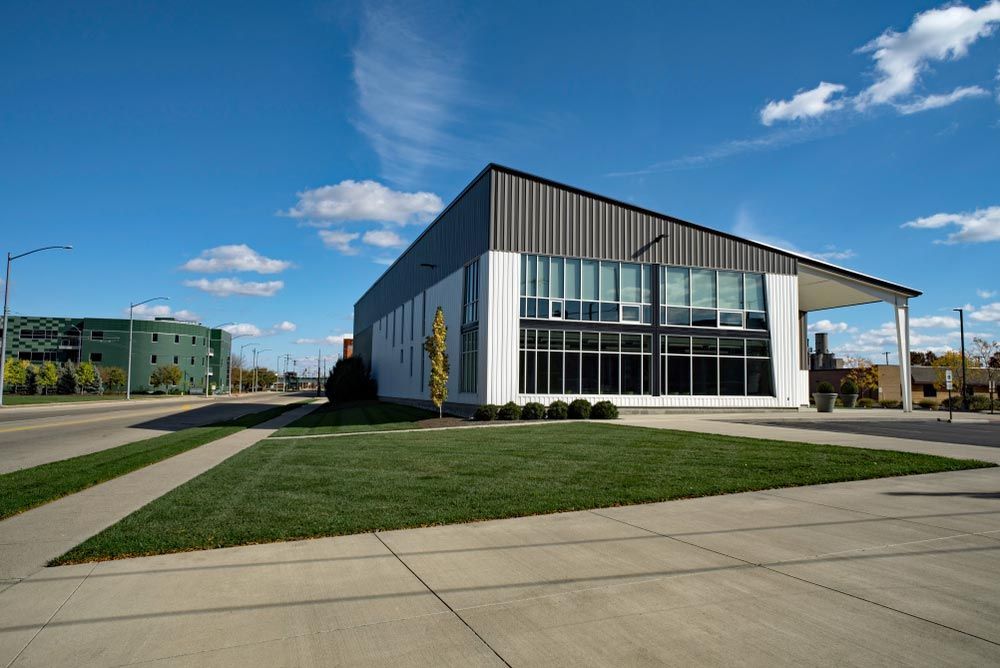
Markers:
{"x": 703, "y": 288}
{"x": 557, "y": 362}
{"x": 572, "y": 279}
{"x": 703, "y": 365}
{"x": 591, "y": 279}
{"x": 730, "y": 290}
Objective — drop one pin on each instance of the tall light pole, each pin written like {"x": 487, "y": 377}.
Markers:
{"x": 6, "y": 297}
{"x": 961, "y": 332}
{"x": 230, "y": 374}
{"x": 251, "y": 343}
{"x": 208, "y": 352}
{"x": 128, "y": 374}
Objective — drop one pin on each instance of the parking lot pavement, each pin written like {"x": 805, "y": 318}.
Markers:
{"x": 984, "y": 432}
{"x": 894, "y": 571}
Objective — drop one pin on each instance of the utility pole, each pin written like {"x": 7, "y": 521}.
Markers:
{"x": 961, "y": 330}
{"x": 319, "y": 362}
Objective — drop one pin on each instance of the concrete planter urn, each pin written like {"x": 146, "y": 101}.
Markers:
{"x": 825, "y": 397}
{"x": 849, "y": 400}
{"x": 825, "y": 401}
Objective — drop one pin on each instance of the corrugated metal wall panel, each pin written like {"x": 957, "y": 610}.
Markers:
{"x": 532, "y": 216}
{"x": 459, "y": 234}
{"x": 783, "y": 318}
{"x": 499, "y": 345}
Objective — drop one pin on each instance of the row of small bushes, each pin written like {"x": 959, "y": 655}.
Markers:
{"x": 579, "y": 409}
{"x": 977, "y": 402}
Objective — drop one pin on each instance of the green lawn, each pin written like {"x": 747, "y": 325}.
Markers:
{"x": 361, "y": 416}
{"x": 289, "y": 489}
{"x": 28, "y": 488}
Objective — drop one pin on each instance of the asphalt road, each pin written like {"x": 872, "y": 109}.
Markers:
{"x": 970, "y": 433}
{"x": 36, "y": 435}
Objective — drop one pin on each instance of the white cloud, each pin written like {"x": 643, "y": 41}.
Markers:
{"x": 383, "y": 239}
{"x": 938, "y": 101}
{"x": 977, "y": 226}
{"x": 828, "y": 326}
{"x": 987, "y": 313}
{"x": 339, "y": 240}
{"x": 900, "y": 59}
{"x": 804, "y": 104}
{"x": 934, "y": 321}
{"x": 243, "y": 329}
{"x": 364, "y": 201}
{"x": 236, "y": 257}
{"x": 986, "y": 294}
{"x": 384, "y": 261}
{"x": 150, "y": 311}
{"x": 332, "y": 340}
{"x": 286, "y": 326}
{"x": 935, "y": 35}
{"x": 831, "y": 254}
{"x": 225, "y": 287}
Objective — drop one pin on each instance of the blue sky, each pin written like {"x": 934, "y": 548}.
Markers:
{"x": 261, "y": 163}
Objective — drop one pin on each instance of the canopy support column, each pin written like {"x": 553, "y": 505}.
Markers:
{"x": 901, "y": 308}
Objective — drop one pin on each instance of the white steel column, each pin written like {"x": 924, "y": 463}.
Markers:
{"x": 901, "y": 308}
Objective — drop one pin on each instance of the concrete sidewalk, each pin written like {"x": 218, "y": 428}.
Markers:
{"x": 741, "y": 424}
{"x": 893, "y": 571}
{"x": 29, "y": 540}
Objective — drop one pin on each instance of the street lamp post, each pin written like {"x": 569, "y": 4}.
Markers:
{"x": 208, "y": 352}
{"x": 230, "y": 374}
{"x": 128, "y": 374}
{"x": 251, "y": 343}
{"x": 6, "y": 310}
{"x": 961, "y": 333}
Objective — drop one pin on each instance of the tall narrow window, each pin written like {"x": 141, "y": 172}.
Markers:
{"x": 470, "y": 293}
{"x": 470, "y": 360}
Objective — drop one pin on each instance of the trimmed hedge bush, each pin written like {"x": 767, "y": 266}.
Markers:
{"x": 579, "y": 409}
{"x": 979, "y": 402}
{"x": 509, "y": 411}
{"x": 955, "y": 402}
{"x": 350, "y": 380}
{"x": 865, "y": 402}
{"x": 486, "y": 413}
{"x": 825, "y": 387}
{"x": 604, "y": 410}
{"x": 848, "y": 387}
{"x": 557, "y": 410}
{"x": 533, "y": 411}
{"x": 889, "y": 403}
{"x": 929, "y": 404}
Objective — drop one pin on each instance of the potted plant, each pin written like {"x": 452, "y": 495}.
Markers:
{"x": 849, "y": 393}
{"x": 825, "y": 397}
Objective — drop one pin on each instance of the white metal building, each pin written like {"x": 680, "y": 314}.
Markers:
{"x": 550, "y": 292}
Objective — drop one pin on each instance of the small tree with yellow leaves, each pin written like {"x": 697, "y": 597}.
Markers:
{"x": 437, "y": 351}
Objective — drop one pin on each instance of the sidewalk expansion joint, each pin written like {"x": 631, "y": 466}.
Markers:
{"x": 801, "y": 579}
{"x": 443, "y": 602}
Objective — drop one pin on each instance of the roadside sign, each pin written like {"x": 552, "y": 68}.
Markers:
{"x": 948, "y": 379}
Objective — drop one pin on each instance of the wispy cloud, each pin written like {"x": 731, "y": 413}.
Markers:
{"x": 745, "y": 226}
{"x": 977, "y": 226}
{"x": 805, "y": 104}
{"x": 227, "y": 287}
{"x": 331, "y": 340}
{"x": 236, "y": 257}
{"x": 828, "y": 326}
{"x": 986, "y": 294}
{"x": 383, "y": 239}
{"x": 987, "y": 313}
{"x": 770, "y": 141}
{"x": 410, "y": 90}
{"x": 938, "y": 101}
{"x": 250, "y": 329}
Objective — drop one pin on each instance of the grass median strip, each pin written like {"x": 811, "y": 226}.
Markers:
{"x": 28, "y": 488}
{"x": 291, "y": 489}
{"x": 360, "y": 416}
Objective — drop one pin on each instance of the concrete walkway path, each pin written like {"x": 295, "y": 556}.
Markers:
{"x": 29, "y": 540}
{"x": 897, "y": 571}
{"x": 739, "y": 424}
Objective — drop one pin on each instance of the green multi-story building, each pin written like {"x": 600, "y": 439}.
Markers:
{"x": 201, "y": 353}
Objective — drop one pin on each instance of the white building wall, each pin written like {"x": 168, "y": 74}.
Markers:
{"x": 393, "y": 374}
{"x": 502, "y": 326}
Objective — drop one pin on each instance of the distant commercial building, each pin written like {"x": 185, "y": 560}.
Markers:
{"x": 348, "y": 347}
{"x": 551, "y": 292}
{"x": 821, "y": 358}
{"x": 200, "y": 352}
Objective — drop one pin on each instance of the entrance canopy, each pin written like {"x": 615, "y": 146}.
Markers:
{"x": 825, "y": 286}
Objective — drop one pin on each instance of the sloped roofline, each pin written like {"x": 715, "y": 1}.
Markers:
{"x": 804, "y": 259}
